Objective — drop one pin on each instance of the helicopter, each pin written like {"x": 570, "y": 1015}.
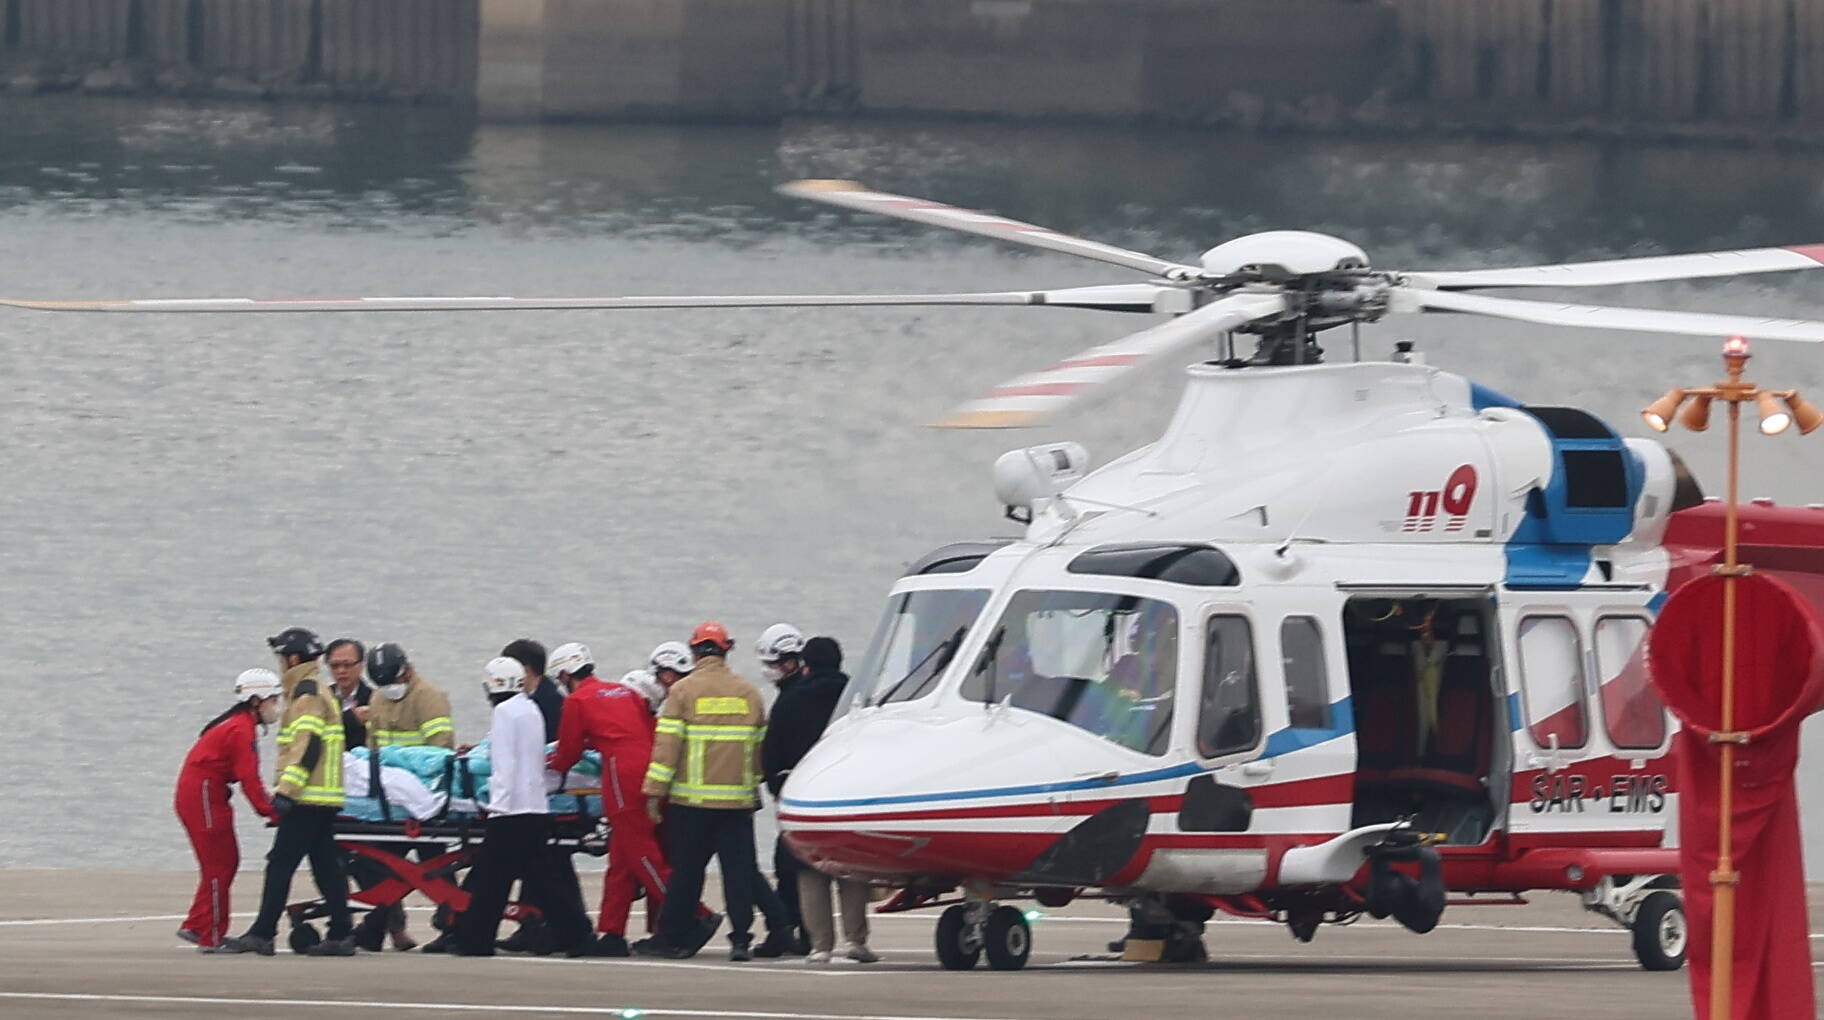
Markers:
{"x": 1347, "y": 639}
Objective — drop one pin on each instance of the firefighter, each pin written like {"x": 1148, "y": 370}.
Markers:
{"x": 409, "y": 711}
{"x": 616, "y": 721}
{"x": 224, "y": 754}
{"x": 406, "y": 710}
{"x": 703, "y": 781}
{"x": 307, "y": 796}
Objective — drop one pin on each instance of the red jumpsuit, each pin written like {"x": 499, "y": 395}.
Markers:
{"x": 616, "y": 721}
{"x": 224, "y": 755}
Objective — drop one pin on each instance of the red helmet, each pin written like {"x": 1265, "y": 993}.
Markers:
{"x": 712, "y": 634}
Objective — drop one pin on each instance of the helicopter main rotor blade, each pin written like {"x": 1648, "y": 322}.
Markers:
{"x": 1643, "y": 320}
{"x": 1030, "y": 399}
{"x": 1136, "y": 297}
{"x": 851, "y": 195}
{"x": 1643, "y": 270}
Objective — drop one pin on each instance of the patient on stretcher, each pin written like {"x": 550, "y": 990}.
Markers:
{"x": 427, "y": 782}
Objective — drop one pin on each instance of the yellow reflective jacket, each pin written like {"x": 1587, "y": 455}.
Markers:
{"x": 310, "y": 741}
{"x": 706, "y": 752}
{"x": 420, "y": 718}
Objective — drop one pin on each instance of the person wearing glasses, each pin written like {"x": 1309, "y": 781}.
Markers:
{"x": 345, "y": 657}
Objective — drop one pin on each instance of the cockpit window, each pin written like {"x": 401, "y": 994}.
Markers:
{"x": 1102, "y": 662}
{"x": 915, "y": 641}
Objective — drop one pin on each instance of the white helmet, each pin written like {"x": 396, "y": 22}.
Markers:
{"x": 570, "y": 658}
{"x": 648, "y": 685}
{"x": 257, "y": 683}
{"x": 778, "y": 641}
{"x": 503, "y": 676}
{"x": 675, "y": 656}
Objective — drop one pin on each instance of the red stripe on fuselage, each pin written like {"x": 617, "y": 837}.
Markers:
{"x": 1318, "y": 792}
{"x": 1814, "y": 252}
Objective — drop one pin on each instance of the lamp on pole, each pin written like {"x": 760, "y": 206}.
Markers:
{"x": 1779, "y": 410}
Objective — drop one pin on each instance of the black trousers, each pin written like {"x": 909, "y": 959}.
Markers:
{"x": 786, "y": 867}
{"x": 304, "y": 831}
{"x": 693, "y": 836}
{"x": 517, "y": 848}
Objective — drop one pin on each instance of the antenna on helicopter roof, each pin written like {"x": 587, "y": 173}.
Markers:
{"x": 1404, "y": 354}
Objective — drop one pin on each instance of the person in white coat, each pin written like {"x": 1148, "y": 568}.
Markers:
{"x": 517, "y": 843}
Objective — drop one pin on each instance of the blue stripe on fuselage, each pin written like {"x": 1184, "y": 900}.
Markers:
{"x": 1342, "y": 717}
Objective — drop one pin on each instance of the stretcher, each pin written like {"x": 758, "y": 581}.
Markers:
{"x": 376, "y": 839}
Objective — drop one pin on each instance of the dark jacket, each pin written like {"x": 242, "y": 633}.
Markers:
{"x": 355, "y": 729}
{"x": 799, "y": 716}
{"x": 550, "y": 702}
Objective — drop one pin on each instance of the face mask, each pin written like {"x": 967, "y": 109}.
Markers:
{"x": 771, "y": 672}
{"x": 269, "y": 712}
{"x": 394, "y": 692}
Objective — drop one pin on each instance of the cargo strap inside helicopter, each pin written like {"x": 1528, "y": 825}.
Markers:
{"x": 1425, "y": 712}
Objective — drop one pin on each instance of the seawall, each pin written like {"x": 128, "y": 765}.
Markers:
{"x": 1723, "y": 68}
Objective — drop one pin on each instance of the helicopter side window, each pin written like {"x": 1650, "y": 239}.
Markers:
{"x": 916, "y": 639}
{"x": 1101, "y": 662}
{"x": 1230, "y": 719}
{"x": 1551, "y": 677}
{"x": 1631, "y": 709}
{"x": 1301, "y": 650}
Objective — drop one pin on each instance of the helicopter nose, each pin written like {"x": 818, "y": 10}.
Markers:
{"x": 893, "y": 795}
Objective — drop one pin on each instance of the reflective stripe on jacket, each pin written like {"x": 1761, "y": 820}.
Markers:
{"x": 310, "y": 741}
{"x": 419, "y": 719}
{"x": 706, "y": 752}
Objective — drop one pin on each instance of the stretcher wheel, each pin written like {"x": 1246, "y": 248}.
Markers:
{"x": 1007, "y": 939}
{"x": 959, "y": 943}
{"x": 304, "y": 936}
{"x": 1660, "y": 932}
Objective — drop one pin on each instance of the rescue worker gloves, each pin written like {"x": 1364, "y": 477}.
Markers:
{"x": 280, "y": 805}
{"x": 655, "y": 809}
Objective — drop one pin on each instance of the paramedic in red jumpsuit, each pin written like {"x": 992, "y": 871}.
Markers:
{"x": 617, "y": 720}
{"x": 225, "y": 754}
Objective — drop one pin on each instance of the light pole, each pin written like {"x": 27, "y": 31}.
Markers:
{"x": 1775, "y": 419}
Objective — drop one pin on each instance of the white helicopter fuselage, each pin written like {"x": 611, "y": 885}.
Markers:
{"x": 1378, "y": 596}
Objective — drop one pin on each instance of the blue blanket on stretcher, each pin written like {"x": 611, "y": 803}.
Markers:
{"x": 462, "y": 781}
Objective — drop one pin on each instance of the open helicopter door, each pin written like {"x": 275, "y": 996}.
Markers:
{"x": 1590, "y": 735}
{"x": 1428, "y": 697}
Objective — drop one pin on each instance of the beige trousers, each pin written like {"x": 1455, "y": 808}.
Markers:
{"x": 819, "y": 921}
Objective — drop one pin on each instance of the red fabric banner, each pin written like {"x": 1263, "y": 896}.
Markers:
{"x": 1779, "y": 680}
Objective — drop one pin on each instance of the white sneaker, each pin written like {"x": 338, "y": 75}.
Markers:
{"x": 817, "y": 957}
{"x": 860, "y": 953}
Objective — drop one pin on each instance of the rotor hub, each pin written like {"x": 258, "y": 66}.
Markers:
{"x": 1283, "y": 254}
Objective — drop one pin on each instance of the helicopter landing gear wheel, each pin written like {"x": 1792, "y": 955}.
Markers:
{"x": 959, "y": 943}
{"x": 303, "y": 937}
{"x": 1007, "y": 939}
{"x": 1660, "y": 932}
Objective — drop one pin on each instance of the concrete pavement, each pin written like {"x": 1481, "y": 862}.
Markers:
{"x": 85, "y": 944}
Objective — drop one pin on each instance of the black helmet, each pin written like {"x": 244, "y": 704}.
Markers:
{"x": 386, "y": 664}
{"x": 296, "y": 641}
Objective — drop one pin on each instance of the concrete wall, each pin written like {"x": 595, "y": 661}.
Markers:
{"x": 1748, "y": 67}
{"x": 420, "y": 48}
{"x": 559, "y": 59}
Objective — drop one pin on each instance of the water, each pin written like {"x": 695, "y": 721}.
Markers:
{"x": 175, "y": 488}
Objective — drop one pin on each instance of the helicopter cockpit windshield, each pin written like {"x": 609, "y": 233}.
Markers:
{"x": 1103, "y": 662}
{"x": 917, "y": 637}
